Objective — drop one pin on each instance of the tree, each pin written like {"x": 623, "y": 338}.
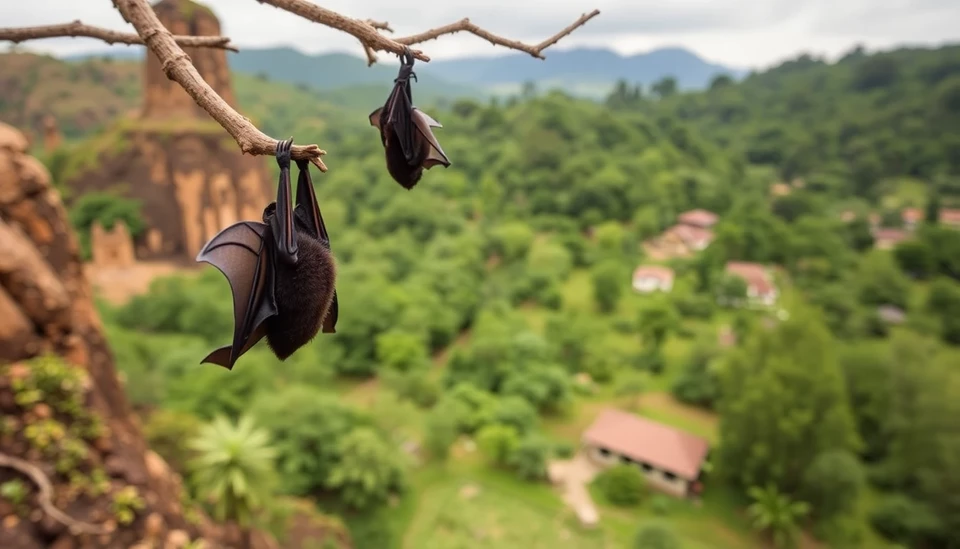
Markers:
{"x": 784, "y": 402}
{"x": 233, "y": 469}
{"x": 529, "y": 458}
{"x": 655, "y": 536}
{"x": 440, "y": 432}
{"x": 632, "y": 384}
{"x": 368, "y": 471}
{"x": 665, "y": 87}
{"x": 655, "y": 321}
{"x": 608, "y": 284}
{"x": 776, "y": 514}
{"x": 881, "y": 281}
{"x": 497, "y": 442}
{"x": 833, "y": 483}
{"x": 622, "y": 484}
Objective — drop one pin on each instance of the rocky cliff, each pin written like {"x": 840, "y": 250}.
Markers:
{"x": 64, "y": 411}
{"x": 173, "y": 156}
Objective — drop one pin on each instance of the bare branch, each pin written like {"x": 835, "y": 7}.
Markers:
{"x": 177, "y": 66}
{"x": 466, "y": 26}
{"x": 379, "y": 25}
{"x": 373, "y": 41}
{"x": 45, "y": 497}
{"x": 365, "y": 31}
{"x": 77, "y": 29}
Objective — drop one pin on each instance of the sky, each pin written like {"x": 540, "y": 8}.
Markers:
{"x": 736, "y": 33}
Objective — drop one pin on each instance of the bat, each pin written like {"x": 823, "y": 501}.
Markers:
{"x": 281, "y": 272}
{"x": 406, "y": 131}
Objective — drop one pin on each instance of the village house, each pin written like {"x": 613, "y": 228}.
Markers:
{"x": 760, "y": 286}
{"x": 910, "y": 217}
{"x": 686, "y": 239}
{"x": 886, "y": 239}
{"x": 698, "y": 218}
{"x": 950, "y": 217}
{"x": 652, "y": 278}
{"x": 671, "y": 460}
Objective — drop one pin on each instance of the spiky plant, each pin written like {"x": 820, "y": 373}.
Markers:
{"x": 233, "y": 469}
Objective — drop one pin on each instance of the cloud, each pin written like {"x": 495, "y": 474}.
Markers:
{"x": 737, "y": 32}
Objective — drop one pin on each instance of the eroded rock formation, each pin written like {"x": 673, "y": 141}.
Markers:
{"x": 46, "y": 309}
{"x": 174, "y": 157}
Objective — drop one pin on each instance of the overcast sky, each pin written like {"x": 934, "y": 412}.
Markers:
{"x": 742, "y": 33}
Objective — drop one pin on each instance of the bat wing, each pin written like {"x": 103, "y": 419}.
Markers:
{"x": 396, "y": 116}
{"x": 424, "y": 123}
{"x": 242, "y": 253}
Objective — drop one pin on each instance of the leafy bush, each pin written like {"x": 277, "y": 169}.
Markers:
{"x": 529, "y": 458}
{"x": 655, "y": 536}
{"x": 622, "y": 484}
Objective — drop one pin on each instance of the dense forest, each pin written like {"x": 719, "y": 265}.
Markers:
{"x": 472, "y": 306}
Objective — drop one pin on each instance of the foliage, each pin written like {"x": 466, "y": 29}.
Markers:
{"x": 771, "y": 432}
{"x": 529, "y": 458}
{"x": 498, "y": 442}
{"x": 369, "y": 469}
{"x": 440, "y": 431}
{"x": 776, "y": 514}
{"x": 622, "y": 484}
{"x": 106, "y": 209}
{"x": 833, "y": 484}
{"x": 233, "y": 469}
{"x": 655, "y": 536}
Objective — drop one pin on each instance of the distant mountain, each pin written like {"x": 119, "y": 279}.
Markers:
{"x": 587, "y": 72}
{"x": 580, "y": 66}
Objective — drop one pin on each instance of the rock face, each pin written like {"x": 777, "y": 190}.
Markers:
{"x": 165, "y": 98}
{"x": 174, "y": 157}
{"x": 46, "y": 307}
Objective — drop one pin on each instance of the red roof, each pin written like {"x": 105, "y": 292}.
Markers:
{"x": 911, "y": 215}
{"x": 691, "y": 235}
{"x": 890, "y": 235}
{"x": 648, "y": 442}
{"x": 754, "y": 274}
{"x": 950, "y": 216}
{"x": 653, "y": 271}
{"x": 699, "y": 217}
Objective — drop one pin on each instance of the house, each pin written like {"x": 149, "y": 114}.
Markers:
{"x": 910, "y": 217}
{"x": 671, "y": 460}
{"x": 950, "y": 217}
{"x": 698, "y": 218}
{"x": 651, "y": 278}
{"x": 689, "y": 237}
{"x": 891, "y": 314}
{"x": 886, "y": 239}
{"x": 760, "y": 286}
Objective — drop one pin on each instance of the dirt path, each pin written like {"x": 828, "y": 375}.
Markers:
{"x": 117, "y": 285}
{"x": 572, "y": 476}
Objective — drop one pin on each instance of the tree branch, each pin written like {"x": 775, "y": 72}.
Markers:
{"x": 466, "y": 26}
{"x": 77, "y": 28}
{"x": 373, "y": 41}
{"x": 45, "y": 497}
{"x": 177, "y": 66}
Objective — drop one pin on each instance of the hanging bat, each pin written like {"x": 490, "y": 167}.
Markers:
{"x": 281, "y": 272}
{"x": 405, "y": 131}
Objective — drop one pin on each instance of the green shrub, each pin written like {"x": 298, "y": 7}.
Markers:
{"x": 622, "y": 484}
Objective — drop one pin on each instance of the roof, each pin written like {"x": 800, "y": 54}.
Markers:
{"x": 890, "y": 235}
{"x": 653, "y": 271}
{"x": 690, "y": 234}
{"x": 911, "y": 215}
{"x": 754, "y": 274}
{"x": 649, "y": 442}
{"x": 950, "y": 216}
{"x": 698, "y": 217}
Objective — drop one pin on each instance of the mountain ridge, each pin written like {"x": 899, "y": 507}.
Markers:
{"x": 577, "y": 68}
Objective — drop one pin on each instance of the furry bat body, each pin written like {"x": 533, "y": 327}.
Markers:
{"x": 405, "y": 131}
{"x": 281, "y": 272}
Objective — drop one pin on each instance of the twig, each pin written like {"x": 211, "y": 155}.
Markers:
{"x": 45, "y": 497}
{"x": 372, "y": 55}
{"x": 364, "y": 31}
{"x": 466, "y": 26}
{"x": 77, "y": 28}
{"x": 373, "y": 41}
{"x": 177, "y": 66}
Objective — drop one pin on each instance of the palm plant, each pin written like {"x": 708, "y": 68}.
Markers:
{"x": 233, "y": 468}
{"x": 776, "y": 514}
